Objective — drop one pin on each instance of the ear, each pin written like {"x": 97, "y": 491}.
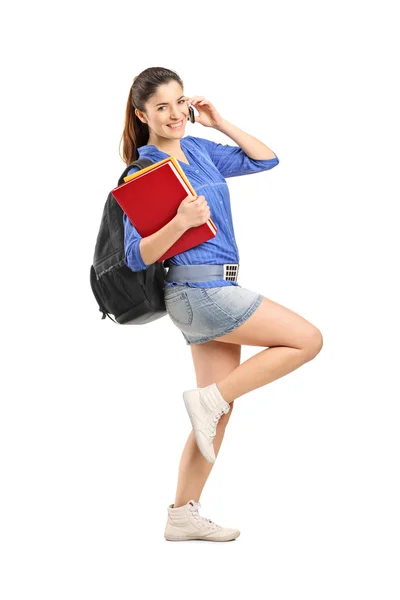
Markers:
{"x": 140, "y": 116}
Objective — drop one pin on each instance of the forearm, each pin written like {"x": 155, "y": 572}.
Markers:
{"x": 155, "y": 245}
{"x": 249, "y": 144}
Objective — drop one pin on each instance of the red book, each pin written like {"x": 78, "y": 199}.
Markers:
{"x": 150, "y": 198}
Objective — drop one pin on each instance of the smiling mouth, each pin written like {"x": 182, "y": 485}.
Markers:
{"x": 176, "y": 125}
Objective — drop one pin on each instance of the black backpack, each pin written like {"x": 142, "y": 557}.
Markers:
{"x": 133, "y": 297}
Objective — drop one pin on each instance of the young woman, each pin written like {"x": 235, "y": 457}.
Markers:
{"x": 202, "y": 296}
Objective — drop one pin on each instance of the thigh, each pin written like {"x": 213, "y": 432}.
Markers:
{"x": 274, "y": 325}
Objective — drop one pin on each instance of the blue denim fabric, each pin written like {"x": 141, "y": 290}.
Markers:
{"x": 204, "y": 314}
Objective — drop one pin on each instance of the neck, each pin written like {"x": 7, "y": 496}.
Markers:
{"x": 165, "y": 145}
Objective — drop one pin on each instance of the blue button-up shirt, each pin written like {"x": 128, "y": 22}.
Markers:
{"x": 210, "y": 164}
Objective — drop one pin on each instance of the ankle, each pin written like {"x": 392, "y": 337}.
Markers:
{"x": 225, "y": 392}
{"x": 180, "y": 503}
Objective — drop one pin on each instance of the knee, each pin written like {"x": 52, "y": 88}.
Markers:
{"x": 313, "y": 343}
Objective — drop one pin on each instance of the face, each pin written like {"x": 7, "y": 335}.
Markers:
{"x": 166, "y": 107}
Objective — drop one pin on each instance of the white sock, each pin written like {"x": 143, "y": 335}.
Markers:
{"x": 212, "y": 397}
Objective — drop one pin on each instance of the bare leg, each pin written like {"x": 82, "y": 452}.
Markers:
{"x": 212, "y": 361}
{"x": 194, "y": 469}
{"x": 291, "y": 340}
{"x": 260, "y": 369}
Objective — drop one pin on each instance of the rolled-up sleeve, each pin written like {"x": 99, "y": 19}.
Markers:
{"x": 232, "y": 161}
{"x": 132, "y": 239}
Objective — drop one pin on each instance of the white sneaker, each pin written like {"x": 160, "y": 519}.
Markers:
{"x": 205, "y": 407}
{"x": 185, "y": 523}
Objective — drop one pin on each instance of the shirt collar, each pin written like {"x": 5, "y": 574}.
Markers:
{"x": 148, "y": 149}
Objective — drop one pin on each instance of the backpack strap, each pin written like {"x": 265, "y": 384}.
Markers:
{"x": 142, "y": 163}
{"x": 104, "y": 316}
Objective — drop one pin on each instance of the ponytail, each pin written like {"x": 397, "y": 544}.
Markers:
{"x": 135, "y": 133}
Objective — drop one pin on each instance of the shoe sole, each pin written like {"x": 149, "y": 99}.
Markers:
{"x": 227, "y": 538}
{"x": 206, "y": 456}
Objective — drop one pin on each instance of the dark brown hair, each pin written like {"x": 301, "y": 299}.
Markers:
{"x": 136, "y": 133}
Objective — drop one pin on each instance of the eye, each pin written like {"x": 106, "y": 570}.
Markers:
{"x": 183, "y": 100}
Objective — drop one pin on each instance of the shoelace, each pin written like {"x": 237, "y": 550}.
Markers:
{"x": 214, "y": 422}
{"x": 202, "y": 520}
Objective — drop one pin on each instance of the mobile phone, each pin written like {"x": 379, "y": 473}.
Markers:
{"x": 191, "y": 114}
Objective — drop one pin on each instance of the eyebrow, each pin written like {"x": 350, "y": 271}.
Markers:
{"x": 167, "y": 102}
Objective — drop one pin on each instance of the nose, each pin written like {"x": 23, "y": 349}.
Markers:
{"x": 176, "y": 114}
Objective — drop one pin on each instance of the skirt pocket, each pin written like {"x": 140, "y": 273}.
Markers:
{"x": 179, "y": 308}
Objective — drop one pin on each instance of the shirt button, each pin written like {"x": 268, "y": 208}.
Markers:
{"x": 196, "y": 171}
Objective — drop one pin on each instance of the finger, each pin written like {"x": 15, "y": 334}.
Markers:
{"x": 197, "y": 99}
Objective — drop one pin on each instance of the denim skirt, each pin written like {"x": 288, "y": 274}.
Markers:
{"x": 203, "y": 314}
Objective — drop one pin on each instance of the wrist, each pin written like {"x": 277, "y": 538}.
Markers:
{"x": 180, "y": 224}
{"x": 220, "y": 126}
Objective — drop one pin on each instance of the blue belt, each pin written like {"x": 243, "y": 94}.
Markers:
{"x": 202, "y": 272}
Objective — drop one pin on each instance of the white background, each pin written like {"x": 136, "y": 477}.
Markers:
{"x": 92, "y": 418}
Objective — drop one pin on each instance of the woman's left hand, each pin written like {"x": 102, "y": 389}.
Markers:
{"x": 208, "y": 114}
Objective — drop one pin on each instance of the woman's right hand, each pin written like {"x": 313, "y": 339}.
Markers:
{"x": 193, "y": 211}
